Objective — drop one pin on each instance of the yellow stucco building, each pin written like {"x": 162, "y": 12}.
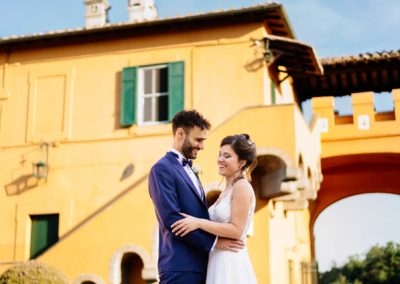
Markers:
{"x": 85, "y": 113}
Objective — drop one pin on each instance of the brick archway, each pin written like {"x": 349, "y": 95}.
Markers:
{"x": 350, "y": 175}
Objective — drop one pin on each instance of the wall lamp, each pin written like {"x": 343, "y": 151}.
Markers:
{"x": 268, "y": 55}
{"x": 41, "y": 169}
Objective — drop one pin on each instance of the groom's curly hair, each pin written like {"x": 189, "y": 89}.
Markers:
{"x": 188, "y": 119}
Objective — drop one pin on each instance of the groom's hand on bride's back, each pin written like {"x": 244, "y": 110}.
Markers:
{"x": 229, "y": 244}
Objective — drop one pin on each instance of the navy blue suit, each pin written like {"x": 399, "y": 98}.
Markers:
{"x": 172, "y": 191}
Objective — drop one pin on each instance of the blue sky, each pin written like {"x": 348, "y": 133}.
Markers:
{"x": 333, "y": 27}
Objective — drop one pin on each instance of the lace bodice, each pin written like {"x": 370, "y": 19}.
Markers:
{"x": 221, "y": 211}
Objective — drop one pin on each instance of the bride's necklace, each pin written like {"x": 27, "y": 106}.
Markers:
{"x": 237, "y": 179}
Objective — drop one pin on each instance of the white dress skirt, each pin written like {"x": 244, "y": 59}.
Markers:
{"x": 225, "y": 267}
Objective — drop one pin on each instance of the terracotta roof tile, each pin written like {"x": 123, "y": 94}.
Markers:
{"x": 363, "y": 57}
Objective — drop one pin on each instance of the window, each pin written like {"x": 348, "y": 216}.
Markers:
{"x": 44, "y": 233}
{"x": 151, "y": 94}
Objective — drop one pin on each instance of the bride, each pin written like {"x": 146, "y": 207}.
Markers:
{"x": 231, "y": 215}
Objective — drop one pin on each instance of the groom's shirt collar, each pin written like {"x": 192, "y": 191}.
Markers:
{"x": 182, "y": 160}
{"x": 180, "y": 155}
{"x": 195, "y": 180}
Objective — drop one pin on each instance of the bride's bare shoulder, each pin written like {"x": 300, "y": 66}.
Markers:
{"x": 243, "y": 187}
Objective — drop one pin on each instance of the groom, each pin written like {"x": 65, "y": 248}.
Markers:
{"x": 175, "y": 188}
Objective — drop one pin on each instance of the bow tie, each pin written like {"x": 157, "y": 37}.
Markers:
{"x": 184, "y": 161}
{"x": 187, "y": 162}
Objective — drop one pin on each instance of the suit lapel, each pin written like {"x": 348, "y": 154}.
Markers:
{"x": 175, "y": 163}
{"x": 203, "y": 197}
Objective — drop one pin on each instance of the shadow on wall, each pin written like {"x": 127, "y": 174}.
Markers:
{"x": 21, "y": 184}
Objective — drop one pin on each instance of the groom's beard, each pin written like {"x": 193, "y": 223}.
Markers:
{"x": 188, "y": 150}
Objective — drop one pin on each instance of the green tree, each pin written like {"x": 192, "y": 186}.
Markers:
{"x": 381, "y": 265}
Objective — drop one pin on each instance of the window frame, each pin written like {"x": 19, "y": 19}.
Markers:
{"x": 140, "y": 103}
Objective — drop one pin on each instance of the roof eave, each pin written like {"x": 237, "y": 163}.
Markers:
{"x": 259, "y": 13}
{"x": 298, "y": 58}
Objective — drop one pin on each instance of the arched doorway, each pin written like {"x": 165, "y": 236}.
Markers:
{"x": 132, "y": 263}
{"x": 88, "y": 279}
{"x": 131, "y": 269}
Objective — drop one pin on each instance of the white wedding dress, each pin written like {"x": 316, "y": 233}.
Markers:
{"x": 225, "y": 267}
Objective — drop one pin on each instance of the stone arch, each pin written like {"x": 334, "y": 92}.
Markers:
{"x": 270, "y": 175}
{"x": 149, "y": 271}
{"x": 271, "y": 172}
{"x": 276, "y": 152}
{"x": 88, "y": 278}
{"x": 349, "y": 175}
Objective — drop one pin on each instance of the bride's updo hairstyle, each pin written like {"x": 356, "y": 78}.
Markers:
{"x": 245, "y": 149}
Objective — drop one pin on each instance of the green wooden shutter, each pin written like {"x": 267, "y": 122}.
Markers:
{"x": 128, "y": 96}
{"x": 176, "y": 80}
{"x": 273, "y": 93}
{"x": 44, "y": 233}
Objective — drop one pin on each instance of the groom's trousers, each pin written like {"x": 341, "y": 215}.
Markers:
{"x": 182, "y": 277}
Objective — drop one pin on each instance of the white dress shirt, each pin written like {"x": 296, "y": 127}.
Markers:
{"x": 191, "y": 174}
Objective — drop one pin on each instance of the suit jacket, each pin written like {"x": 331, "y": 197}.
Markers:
{"x": 172, "y": 191}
